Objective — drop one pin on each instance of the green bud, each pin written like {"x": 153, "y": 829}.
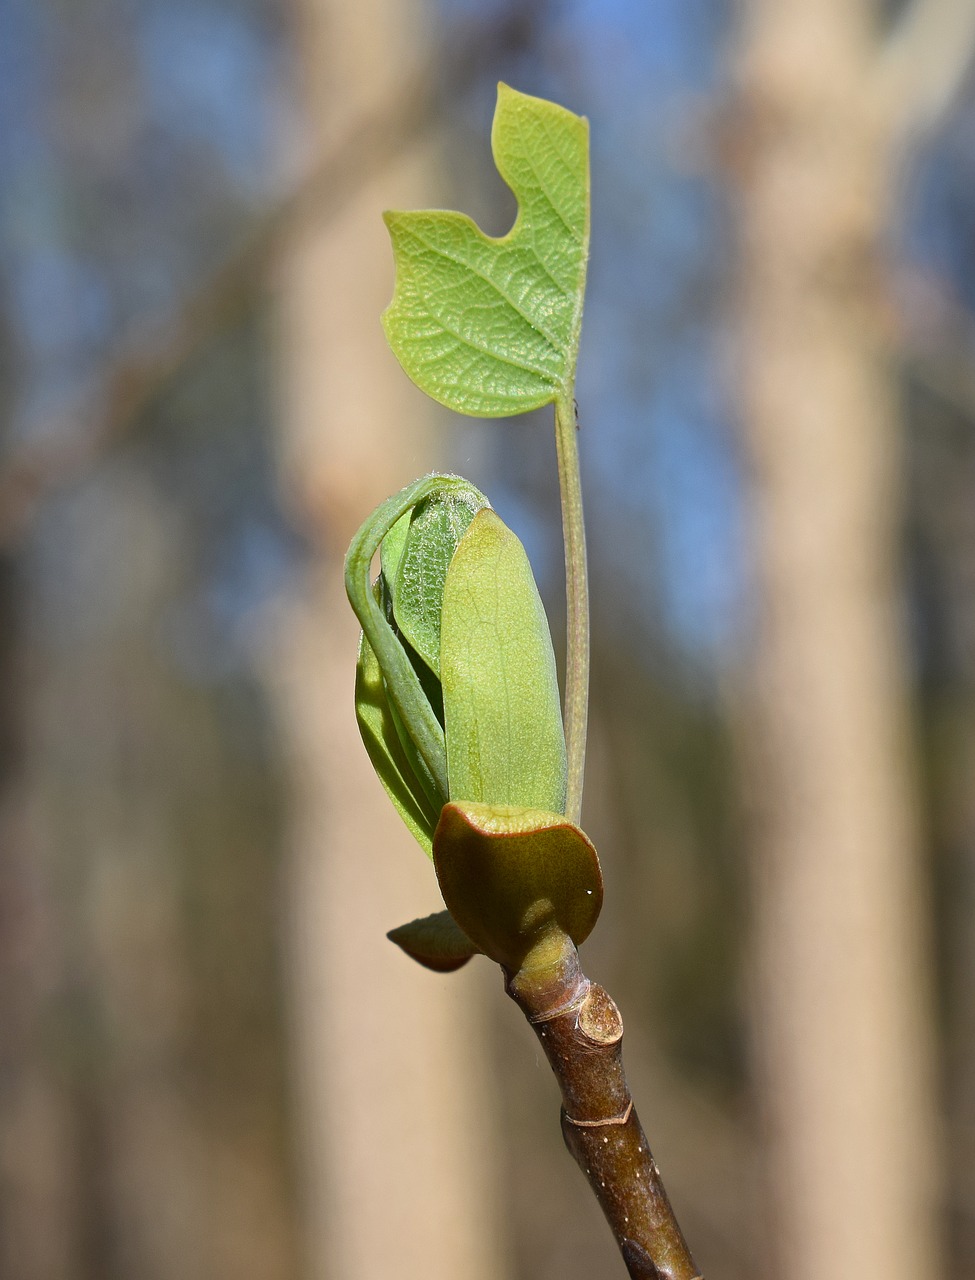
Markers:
{"x": 457, "y": 701}
{"x": 456, "y": 649}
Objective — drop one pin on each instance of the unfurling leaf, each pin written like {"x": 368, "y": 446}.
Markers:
{"x": 435, "y": 528}
{"x": 400, "y": 710}
{"x": 456, "y": 652}
{"x": 383, "y": 742}
{"x": 490, "y": 326}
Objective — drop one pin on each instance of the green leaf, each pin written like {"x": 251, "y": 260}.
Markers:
{"x": 392, "y": 547}
{"x": 502, "y": 718}
{"x": 395, "y": 768}
{"x": 515, "y": 878}
{"x": 490, "y": 326}
{"x": 436, "y": 941}
{"x": 435, "y": 528}
{"x": 404, "y": 688}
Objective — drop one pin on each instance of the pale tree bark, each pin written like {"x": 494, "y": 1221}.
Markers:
{"x": 394, "y": 1109}
{"x": 842, "y": 1005}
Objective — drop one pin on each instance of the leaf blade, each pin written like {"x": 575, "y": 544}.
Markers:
{"x": 502, "y": 714}
{"x": 436, "y": 526}
{"x": 490, "y": 326}
{"x": 377, "y": 728}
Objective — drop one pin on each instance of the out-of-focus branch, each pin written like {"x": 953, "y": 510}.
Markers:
{"x": 948, "y": 376}
{"x": 155, "y": 349}
{"x": 923, "y": 63}
{"x": 937, "y": 340}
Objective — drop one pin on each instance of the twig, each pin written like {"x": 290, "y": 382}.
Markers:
{"x": 581, "y": 1032}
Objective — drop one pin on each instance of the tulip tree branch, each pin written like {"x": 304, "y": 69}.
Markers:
{"x": 489, "y": 326}
{"x": 581, "y": 1031}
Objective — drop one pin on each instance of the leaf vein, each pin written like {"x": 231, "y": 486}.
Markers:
{"x": 529, "y": 159}
{"x": 462, "y": 338}
{"x": 553, "y": 342}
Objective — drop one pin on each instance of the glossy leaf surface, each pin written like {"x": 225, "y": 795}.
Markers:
{"x": 490, "y": 326}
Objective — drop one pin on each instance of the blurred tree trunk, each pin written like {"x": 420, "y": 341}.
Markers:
{"x": 398, "y": 1162}
{"x": 141, "y": 1116}
{"x": 842, "y": 1010}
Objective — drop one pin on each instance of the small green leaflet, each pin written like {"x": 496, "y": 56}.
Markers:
{"x": 403, "y": 696}
{"x": 390, "y": 759}
{"x": 490, "y": 326}
{"x": 435, "y": 528}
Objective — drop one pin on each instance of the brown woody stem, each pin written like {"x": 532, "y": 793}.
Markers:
{"x": 581, "y": 1031}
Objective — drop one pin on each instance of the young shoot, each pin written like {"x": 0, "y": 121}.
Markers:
{"x": 456, "y": 689}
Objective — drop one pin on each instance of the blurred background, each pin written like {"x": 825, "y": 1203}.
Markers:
{"x": 212, "y": 1063}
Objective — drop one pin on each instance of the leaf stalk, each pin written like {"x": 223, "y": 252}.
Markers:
{"x": 576, "y": 603}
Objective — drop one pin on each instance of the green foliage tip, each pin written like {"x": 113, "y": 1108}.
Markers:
{"x": 490, "y": 326}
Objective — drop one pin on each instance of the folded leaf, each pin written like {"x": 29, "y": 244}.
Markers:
{"x": 502, "y": 716}
{"x": 392, "y": 547}
{"x": 395, "y": 768}
{"x": 435, "y": 527}
{"x": 486, "y": 326}
{"x": 404, "y": 688}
